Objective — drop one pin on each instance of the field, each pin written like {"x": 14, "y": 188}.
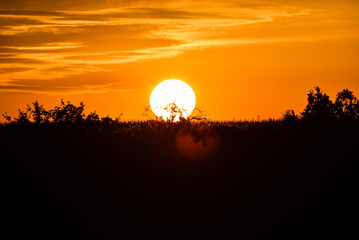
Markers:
{"x": 107, "y": 179}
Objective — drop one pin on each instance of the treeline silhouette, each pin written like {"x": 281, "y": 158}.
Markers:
{"x": 319, "y": 107}
{"x": 67, "y": 174}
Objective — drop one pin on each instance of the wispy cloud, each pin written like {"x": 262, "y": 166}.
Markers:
{"x": 48, "y": 45}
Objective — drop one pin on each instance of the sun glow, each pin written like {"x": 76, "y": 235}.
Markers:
{"x": 172, "y": 99}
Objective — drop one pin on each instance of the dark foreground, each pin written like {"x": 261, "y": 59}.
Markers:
{"x": 283, "y": 179}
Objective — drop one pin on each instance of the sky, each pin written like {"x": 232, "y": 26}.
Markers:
{"x": 244, "y": 59}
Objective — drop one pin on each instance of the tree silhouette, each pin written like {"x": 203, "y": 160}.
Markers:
{"x": 346, "y": 105}
{"x": 319, "y": 106}
{"x": 23, "y": 117}
{"x": 196, "y": 114}
{"x": 176, "y": 113}
{"x": 290, "y": 116}
{"x": 65, "y": 113}
{"x": 38, "y": 113}
{"x": 7, "y": 117}
{"x": 93, "y": 117}
{"x": 68, "y": 113}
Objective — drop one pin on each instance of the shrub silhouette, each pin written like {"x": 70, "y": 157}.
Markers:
{"x": 319, "y": 106}
{"x": 346, "y": 105}
{"x": 68, "y": 113}
{"x": 38, "y": 113}
{"x": 93, "y": 117}
{"x": 176, "y": 113}
{"x": 290, "y": 116}
{"x": 23, "y": 117}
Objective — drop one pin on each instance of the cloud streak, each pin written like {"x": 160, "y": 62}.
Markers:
{"x": 56, "y": 44}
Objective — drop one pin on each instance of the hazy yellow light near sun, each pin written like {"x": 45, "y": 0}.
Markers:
{"x": 172, "y": 99}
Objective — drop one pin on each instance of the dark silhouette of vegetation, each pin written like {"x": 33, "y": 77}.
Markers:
{"x": 290, "y": 116}
{"x": 174, "y": 110}
{"x": 346, "y": 105}
{"x": 68, "y": 174}
{"x": 38, "y": 113}
{"x": 66, "y": 113}
{"x": 319, "y": 106}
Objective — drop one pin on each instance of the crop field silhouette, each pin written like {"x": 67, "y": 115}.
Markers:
{"x": 71, "y": 175}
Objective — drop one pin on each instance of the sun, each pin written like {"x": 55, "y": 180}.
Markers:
{"x": 172, "y": 99}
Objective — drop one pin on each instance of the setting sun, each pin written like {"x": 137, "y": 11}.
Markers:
{"x": 172, "y": 99}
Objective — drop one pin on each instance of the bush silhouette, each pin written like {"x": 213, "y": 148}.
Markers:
{"x": 38, "y": 113}
{"x": 68, "y": 113}
{"x": 93, "y": 117}
{"x": 346, "y": 105}
{"x": 23, "y": 117}
{"x": 319, "y": 106}
{"x": 290, "y": 116}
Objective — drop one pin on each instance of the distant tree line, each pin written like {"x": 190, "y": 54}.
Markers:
{"x": 320, "y": 107}
{"x": 65, "y": 113}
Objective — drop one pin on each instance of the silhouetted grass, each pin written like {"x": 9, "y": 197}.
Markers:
{"x": 97, "y": 179}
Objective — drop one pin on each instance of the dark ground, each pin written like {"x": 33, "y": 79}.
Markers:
{"x": 282, "y": 179}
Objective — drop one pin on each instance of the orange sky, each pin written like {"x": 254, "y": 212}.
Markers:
{"x": 242, "y": 58}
